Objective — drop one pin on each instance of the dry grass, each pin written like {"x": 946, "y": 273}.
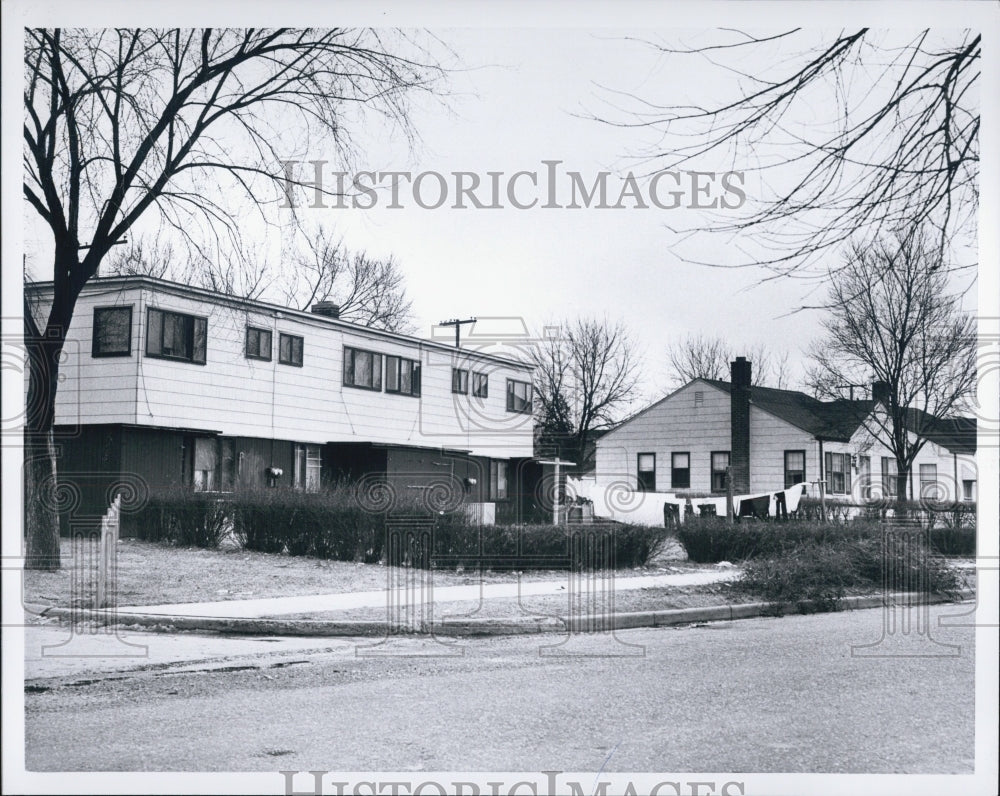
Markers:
{"x": 150, "y": 573}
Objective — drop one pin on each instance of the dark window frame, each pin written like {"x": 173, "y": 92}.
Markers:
{"x": 270, "y": 343}
{"x": 349, "y": 352}
{"x": 642, "y": 486}
{"x": 460, "y": 381}
{"x": 788, "y": 482}
{"x": 712, "y": 472}
{"x": 414, "y": 391}
{"x": 480, "y": 385}
{"x": 300, "y": 478}
{"x": 302, "y": 349}
{"x": 94, "y": 341}
{"x": 838, "y": 482}
{"x": 674, "y": 470}
{"x": 195, "y": 319}
{"x": 526, "y": 410}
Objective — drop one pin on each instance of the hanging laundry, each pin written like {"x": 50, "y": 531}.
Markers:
{"x": 708, "y": 507}
{"x": 792, "y": 496}
{"x": 780, "y": 506}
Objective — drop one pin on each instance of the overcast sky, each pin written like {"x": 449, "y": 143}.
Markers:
{"x": 521, "y": 96}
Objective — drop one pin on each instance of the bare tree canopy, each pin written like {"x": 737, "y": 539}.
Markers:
{"x": 865, "y": 132}
{"x": 698, "y": 356}
{"x": 368, "y": 290}
{"x": 585, "y": 377}
{"x": 893, "y": 322}
{"x": 177, "y": 127}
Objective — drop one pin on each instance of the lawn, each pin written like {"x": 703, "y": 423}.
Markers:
{"x": 150, "y": 573}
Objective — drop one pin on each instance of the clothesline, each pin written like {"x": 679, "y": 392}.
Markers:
{"x": 764, "y": 504}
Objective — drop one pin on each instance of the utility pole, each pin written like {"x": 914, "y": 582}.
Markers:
{"x": 458, "y": 328}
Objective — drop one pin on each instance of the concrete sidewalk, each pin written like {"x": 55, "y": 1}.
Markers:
{"x": 316, "y": 603}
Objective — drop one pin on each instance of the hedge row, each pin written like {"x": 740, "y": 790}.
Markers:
{"x": 709, "y": 540}
{"x": 333, "y": 525}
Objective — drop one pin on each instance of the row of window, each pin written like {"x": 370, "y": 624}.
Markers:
{"x": 175, "y": 335}
{"x": 837, "y": 470}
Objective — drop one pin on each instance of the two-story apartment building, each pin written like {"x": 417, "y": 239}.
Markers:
{"x": 166, "y": 385}
{"x": 773, "y": 439}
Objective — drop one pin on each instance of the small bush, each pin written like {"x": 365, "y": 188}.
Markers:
{"x": 819, "y": 575}
{"x": 183, "y": 517}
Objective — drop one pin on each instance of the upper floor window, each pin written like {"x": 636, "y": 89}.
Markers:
{"x": 258, "y": 343}
{"x": 480, "y": 385}
{"x": 362, "y": 369}
{"x": 795, "y": 468}
{"x": 174, "y": 335}
{"x": 518, "y": 396}
{"x": 838, "y": 473}
{"x": 680, "y": 470}
{"x": 290, "y": 349}
{"x": 402, "y": 376}
{"x": 112, "y": 332}
{"x": 460, "y": 381}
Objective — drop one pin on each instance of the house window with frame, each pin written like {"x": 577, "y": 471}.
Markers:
{"x": 969, "y": 490}
{"x": 308, "y": 467}
{"x": 720, "y": 467}
{"x": 929, "y": 489}
{"x": 480, "y": 385}
{"x": 680, "y": 470}
{"x": 402, "y": 376}
{"x": 205, "y": 464}
{"x": 362, "y": 369}
{"x": 460, "y": 381}
{"x": 518, "y": 396}
{"x": 646, "y": 472}
{"x": 175, "y": 335}
{"x": 838, "y": 473}
{"x": 258, "y": 345}
{"x": 889, "y": 476}
{"x": 290, "y": 349}
{"x": 795, "y": 468}
{"x": 498, "y": 479}
{"x": 112, "y": 332}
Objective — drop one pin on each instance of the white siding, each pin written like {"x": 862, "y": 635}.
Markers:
{"x": 235, "y": 395}
{"x": 683, "y": 423}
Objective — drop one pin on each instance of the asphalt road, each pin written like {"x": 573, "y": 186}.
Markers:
{"x": 759, "y": 695}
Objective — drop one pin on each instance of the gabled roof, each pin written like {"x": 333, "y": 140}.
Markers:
{"x": 829, "y": 420}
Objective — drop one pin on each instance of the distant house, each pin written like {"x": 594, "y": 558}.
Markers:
{"x": 164, "y": 385}
{"x": 772, "y": 439}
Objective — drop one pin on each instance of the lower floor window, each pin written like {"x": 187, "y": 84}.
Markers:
{"x": 647, "y": 472}
{"x": 211, "y": 463}
{"x": 795, "y": 468}
{"x": 928, "y": 482}
{"x": 838, "y": 473}
{"x": 720, "y": 469}
{"x": 307, "y": 467}
{"x": 889, "y": 480}
{"x": 498, "y": 480}
{"x": 968, "y": 490}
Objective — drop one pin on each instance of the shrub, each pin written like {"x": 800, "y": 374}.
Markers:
{"x": 183, "y": 517}
{"x": 823, "y": 573}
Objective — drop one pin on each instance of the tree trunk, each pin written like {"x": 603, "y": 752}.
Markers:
{"x": 902, "y": 483}
{"x": 41, "y": 491}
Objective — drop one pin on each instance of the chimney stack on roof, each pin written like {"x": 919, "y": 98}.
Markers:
{"x": 327, "y": 309}
{"x": 739, "y": 417}
{"x": 880, "y": 392}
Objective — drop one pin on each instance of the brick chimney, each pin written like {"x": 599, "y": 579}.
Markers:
{"x": 880, "y": 392}
{"x": 739, "y": 418}
{"x": 326, "y": 308}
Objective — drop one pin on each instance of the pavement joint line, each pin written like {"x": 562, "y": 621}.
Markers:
{"x": 478, "y": 627}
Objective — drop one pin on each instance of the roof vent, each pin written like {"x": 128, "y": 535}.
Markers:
{"x": 327, "y": 309}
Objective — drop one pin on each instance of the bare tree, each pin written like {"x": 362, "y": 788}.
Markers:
{"x": 175, "y": 127}
{"x": 698, "y": 356}
{"x": 893, "y": 323}
{"x": 369, "y": 290}
{"x": 586, "y": 374}
{"x": 862, "y": 133}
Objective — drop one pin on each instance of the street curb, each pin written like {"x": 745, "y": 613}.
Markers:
{"x": 477, "y": 627}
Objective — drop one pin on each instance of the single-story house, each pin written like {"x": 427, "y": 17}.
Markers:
{"x": 772, "y": 439}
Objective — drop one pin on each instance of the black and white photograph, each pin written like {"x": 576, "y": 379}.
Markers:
{"x": 501, "y": 398}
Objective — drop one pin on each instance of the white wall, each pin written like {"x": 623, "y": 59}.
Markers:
{"x": 238, "y": 396}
